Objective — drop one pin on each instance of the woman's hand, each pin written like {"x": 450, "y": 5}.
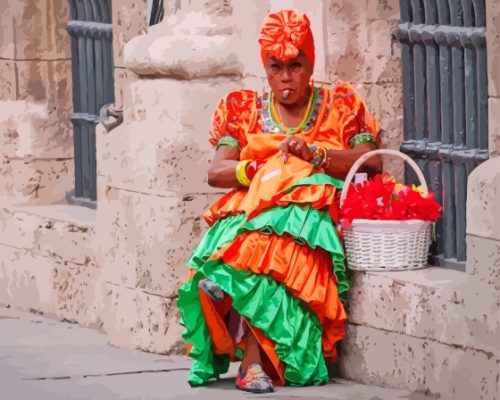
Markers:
{"x": 297, "y": 147}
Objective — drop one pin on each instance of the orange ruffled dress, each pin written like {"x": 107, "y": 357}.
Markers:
{"x": 273, "y": 248}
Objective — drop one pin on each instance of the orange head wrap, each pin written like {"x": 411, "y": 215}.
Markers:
{"x": 284, "y": 33}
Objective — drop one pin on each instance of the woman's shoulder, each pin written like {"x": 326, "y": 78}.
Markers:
{"x": 240, "y": 96}
{"x": 340, "y": 88}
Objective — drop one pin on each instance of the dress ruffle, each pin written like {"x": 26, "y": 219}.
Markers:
{"x": 304, "y": 224}
{"x": 306, "y": 273}
{"x": 283, "y": 318}
{"x": 318, "y": 190}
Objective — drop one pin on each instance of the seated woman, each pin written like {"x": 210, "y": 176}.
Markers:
{"x": 266, "y": 281}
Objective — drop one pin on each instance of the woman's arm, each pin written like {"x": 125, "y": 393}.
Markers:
{"x": 222, "y": 170}
{"x": 337, "y": 162}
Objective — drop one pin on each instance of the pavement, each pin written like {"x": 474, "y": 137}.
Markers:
{"x": 46, "y": 359}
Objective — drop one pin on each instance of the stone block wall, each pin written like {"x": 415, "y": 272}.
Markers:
{"x": 129, "y": 20}
{"x": 47, "y": 261}
{"x": 359, "y": 51}
{"x": 36, "y": 147}
{"x": 493, "y": 46}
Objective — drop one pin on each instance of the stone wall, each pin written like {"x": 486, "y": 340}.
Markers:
{"x": 359, "y": 51}
{"x": 493, "y": 46}
{"x": 36, "y": 147}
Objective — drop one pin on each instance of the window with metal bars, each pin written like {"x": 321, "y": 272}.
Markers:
{"x": 155, "y": 11}
{"x": 445, "y": 107}
{"x": 92, "y": 69}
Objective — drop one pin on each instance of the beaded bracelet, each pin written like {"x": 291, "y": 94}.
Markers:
{"x": 363, "y": 137}
{"x": 319, "y": 156}
{"x": 241, "y": 173}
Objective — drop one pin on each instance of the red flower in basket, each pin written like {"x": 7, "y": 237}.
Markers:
{"x": 381, "y": 198}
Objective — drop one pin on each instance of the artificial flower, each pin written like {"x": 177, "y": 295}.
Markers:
{"x": 381, "y": 198}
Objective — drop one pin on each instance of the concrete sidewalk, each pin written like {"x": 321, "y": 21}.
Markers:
{"x": 45, "y": 359}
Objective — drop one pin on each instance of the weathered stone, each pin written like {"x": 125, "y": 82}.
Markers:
{"x": 75, "y": 288}
{"x": 441, "y": 305}
{"x": 8, "y": 81}
{"x": 483, "y": 259}
{"x": 31, "y": 282}
{"x": 483, "y": 197}
{"x": 494, "y": 126}
{"x": 129, "y": 20}
{"x": 36, "y": 181}
{"x": 47, "y": 81}
{"x": 35, "y": 30}
{"x": 250, "y": 15}
{"x": 186, "y": 46}
{"x": 382, "y": 358}
{"x": 145, "y": 240}
{"x": 359, "y": 35}
{"x": 26, "y": 280}
{"x": 139, "y": 320}
{"x": 493, "y": 47}
{"x": 63, "y": 232}
{"x": 385, "y": 102}
{"x": 34, "y": 130}
{"x": 123, "y": 79}
{"x": 162, "y": 147}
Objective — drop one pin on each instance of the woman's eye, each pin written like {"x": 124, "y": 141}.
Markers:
{"x": 275, "y": 66}
{"x": 296, "y": 65}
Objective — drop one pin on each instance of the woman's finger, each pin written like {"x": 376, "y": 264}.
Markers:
{"x": 285, "y": 149}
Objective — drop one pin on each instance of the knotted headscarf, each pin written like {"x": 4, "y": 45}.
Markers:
{"x": 284, "y": 33}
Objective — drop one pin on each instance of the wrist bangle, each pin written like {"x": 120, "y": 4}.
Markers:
{"x": 319, "y": 156}
{"x": 241, "y": 174}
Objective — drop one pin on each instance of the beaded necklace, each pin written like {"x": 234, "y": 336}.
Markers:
{"x": 270, "y": 124}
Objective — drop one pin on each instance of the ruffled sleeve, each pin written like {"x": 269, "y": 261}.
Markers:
{"x": 233, "y": 117}
{"x": 356, "y": 123}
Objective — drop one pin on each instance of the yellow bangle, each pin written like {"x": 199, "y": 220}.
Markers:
{"x": 241, "y": 173}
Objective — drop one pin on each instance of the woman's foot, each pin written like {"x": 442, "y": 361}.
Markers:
{"x": 254, "y": 380}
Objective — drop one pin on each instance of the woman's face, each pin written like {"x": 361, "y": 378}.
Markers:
{"x": 290, "y": 76}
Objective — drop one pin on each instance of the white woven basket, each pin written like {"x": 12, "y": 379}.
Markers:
{"x": 383, "y": 245}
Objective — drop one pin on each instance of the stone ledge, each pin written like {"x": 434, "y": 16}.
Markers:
{"x": 140, "y": 320}
{"x": 382, "y": 358}
{"x": 36, "y": 181}
{"x": 63, "y": 232}
{"x": 145, "y": 240}
{"x": 63, "y": 290}
{"x": 450, "y": 307}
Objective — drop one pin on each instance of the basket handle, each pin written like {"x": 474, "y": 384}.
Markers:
{"x": 373, "y": 153}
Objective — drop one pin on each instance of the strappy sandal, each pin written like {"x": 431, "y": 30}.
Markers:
{"x": 254, "y": 380}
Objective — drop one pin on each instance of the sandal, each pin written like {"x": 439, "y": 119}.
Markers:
{"x": 254, "y": 380}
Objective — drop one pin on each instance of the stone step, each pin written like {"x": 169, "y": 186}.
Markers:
{"x": 64, "y": 232}
{"x": 431, "y": 330}
{"x": 47, "y": 260}
{"x": 446, "y": 306}
{"x": 382, "y": 358}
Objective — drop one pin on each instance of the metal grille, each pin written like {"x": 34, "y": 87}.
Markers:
{"x": 445, "y": 107}
{"x": 91, "y": 51}
{"x": 155, "y": 11}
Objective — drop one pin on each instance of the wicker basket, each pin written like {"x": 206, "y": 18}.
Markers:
{"x": 386, "y": 245}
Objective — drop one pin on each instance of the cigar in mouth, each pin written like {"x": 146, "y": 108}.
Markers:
{"x": 285, "y": 95}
